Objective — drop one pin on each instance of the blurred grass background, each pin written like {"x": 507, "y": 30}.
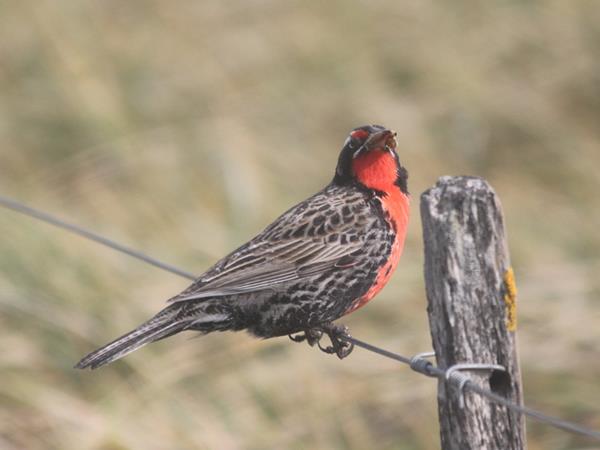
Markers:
{"x": 183, "y": 128}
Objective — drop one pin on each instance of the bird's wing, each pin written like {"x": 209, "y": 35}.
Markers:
{"x": 280, "y": 255}
{"x": 268, "y": 265}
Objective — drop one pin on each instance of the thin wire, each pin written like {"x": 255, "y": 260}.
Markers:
{"x": 419, "y": 365}
{"x": 52, "y": 220}
{"x": 374, "y": 349}
{"x": 538, "y": 415}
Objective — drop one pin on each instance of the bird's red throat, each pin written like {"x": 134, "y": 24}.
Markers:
{"x": 376, "y": 169}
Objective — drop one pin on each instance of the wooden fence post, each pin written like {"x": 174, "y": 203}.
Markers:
{"x": 471, "y": 307}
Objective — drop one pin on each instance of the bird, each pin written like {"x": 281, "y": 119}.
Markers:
{"x": 322, "y": 259}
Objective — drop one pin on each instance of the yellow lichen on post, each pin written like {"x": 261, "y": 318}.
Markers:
{"x": 510, "y": 298}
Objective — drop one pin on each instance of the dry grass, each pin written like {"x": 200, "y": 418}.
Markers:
{"x": 182, "y": 128}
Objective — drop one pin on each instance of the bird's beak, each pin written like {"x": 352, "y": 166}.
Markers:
{"x": 384, "y": 139}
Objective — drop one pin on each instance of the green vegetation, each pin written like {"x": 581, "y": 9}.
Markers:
{"x": 183, "y": 128}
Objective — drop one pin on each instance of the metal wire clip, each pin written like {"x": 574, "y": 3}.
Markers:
{"x": 453, "y": 373}
{"x": 418, "y": 363}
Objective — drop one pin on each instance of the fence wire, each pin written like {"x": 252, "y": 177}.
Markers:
{"x": 419, "y": 364}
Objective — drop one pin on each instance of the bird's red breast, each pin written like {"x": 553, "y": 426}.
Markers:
{"x": 377, "y": 170}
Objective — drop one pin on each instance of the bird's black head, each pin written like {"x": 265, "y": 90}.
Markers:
{"x": 369, "y": 158}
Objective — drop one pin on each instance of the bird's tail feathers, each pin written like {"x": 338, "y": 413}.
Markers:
{"x": 150, "y": 331}
{"x": 168, "y": 322}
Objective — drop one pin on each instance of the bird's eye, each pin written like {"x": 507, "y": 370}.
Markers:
{"x": 356, "y": 138}
{"x": 351, "y": 142}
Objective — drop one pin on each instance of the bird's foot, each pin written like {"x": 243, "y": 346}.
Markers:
{"x": 340, "y": 346}
{"x": 312, "y": 336}
{"x": 336, "y": 333}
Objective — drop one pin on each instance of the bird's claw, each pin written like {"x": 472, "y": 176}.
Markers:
{"x": 336, "y": 333}
{"x": 311, "y": 336}
{"x": 339, "y": 346}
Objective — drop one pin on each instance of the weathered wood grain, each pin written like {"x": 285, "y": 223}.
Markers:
{"x": 466, "y": 260}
